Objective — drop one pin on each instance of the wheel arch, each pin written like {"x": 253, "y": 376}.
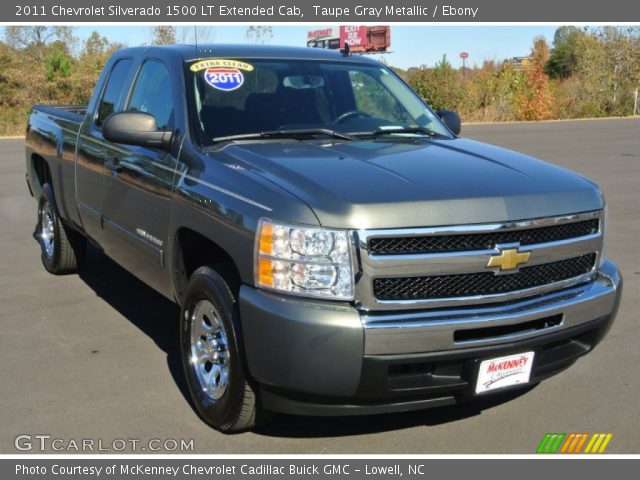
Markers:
{"x": 40, "y": 173}
{"x": 193, "y": 249}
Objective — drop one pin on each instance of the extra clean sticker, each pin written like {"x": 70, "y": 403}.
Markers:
{"x": 220, "y": 63}
{"x": 222, "y": 74}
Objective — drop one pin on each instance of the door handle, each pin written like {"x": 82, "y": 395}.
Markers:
{"x": 113, "y": 165}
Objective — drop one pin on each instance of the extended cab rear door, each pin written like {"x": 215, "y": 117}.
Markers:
{"x": 94, "y": 150}
{"x": 139, "y": 182}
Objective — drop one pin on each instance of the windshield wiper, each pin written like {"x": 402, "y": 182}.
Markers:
{"x": 394, "y": 130}
{"x": 292, "y": 133}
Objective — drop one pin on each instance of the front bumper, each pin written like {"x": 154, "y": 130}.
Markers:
{"x": 322, "y": 358}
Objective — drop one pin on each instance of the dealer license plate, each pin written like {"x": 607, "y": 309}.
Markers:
{"x": 504, "y": 372}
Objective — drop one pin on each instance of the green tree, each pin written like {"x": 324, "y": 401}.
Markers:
{"x": 440, "y": 86}
{"x": 492, "y": 91}
{"x": 58, "y": 65}
{"x": 563, "y": 60}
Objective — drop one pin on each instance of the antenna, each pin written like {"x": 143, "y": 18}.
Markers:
{"x": 346, "y": 50}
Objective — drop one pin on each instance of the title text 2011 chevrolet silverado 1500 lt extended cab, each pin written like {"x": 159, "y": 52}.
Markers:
{"x": 334, "y": 246}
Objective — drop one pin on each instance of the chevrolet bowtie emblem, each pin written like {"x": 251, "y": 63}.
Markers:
{"x": 509, "y": 259}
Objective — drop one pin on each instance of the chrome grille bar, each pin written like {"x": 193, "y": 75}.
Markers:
{"x": 373, "y": 266}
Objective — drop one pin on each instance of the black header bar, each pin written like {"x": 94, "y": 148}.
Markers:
{"x": 315, "y": 11}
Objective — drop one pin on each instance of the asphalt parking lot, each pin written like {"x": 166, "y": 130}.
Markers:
{"x": 96, "y": 355}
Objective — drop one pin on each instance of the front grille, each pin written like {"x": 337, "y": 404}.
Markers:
{"x": 480, "y": 241}
{"x": 482, "y": 283}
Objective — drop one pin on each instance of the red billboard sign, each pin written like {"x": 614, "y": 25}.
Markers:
{"x": 361, "y": 39}
{"x": 355, "y": 36}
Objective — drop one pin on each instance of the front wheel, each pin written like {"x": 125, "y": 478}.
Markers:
{"x": 212, "y": 357}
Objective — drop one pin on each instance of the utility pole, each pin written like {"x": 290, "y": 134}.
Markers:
{"x": 635, "y": 102}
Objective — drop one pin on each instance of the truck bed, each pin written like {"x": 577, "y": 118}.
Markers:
{"x": 74, "y": 113}
{"x": 52, "y": 133}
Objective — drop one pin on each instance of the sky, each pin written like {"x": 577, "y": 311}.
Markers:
{"x": 410, "y": 45}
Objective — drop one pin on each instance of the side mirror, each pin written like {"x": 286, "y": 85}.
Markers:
{"x": 451, "y": 120}
{"x": 135, "y": 128}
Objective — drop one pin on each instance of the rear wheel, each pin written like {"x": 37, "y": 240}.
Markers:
{"x": 212, "y": 356}
{"x": 63, "y": 249}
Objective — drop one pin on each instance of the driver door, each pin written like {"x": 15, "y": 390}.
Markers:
{"x": 139, "y": 183}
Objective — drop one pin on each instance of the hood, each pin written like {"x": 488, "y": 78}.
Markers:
{"x": 405, "y": 183}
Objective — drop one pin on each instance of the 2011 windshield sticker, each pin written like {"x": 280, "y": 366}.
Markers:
{"x": 220, "y": 63}
{"x": 225, "y": 79}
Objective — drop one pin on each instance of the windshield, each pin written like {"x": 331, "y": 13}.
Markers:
{"x": 249, "y": 97}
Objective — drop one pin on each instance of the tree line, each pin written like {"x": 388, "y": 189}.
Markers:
{"x": 587, "y": 72}
{"x": 50, "y": 65}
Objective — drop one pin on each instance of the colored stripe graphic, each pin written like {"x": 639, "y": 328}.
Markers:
{"x": 571, "y": 440}
{"x": 581, "y": 442}
{"x": 598, "y": 443}
{"x": 572, "y": 443}
{"x": 551, "y": 442}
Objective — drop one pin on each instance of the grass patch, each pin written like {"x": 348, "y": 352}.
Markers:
{"x": 13, "y": 121}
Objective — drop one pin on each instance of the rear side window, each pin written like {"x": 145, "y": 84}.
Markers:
{"x": 152, "y": 94}
{"x": 115, "y": 90}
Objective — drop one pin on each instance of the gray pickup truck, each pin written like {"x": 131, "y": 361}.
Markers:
{"x": 334, "y": 246}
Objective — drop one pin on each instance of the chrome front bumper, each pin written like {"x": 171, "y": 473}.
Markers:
{"x": 313, "y": 357}
{"x": 440, "y": 330}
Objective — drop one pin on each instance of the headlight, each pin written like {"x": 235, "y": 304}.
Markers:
{"x": 308, "y": 261}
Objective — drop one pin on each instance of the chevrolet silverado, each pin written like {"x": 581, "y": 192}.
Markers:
{"x": 336, "y": 248}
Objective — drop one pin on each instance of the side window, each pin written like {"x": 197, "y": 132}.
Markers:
{"x": 114, "y": 90}
{"x": 152, "y": 93}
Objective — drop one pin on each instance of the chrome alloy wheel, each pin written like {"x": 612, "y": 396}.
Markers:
{"x": 47, "y": 230}
{"x": 209, "y": 350}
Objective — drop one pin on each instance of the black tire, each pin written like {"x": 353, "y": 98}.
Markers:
{"x": 238, "y": 407}
{"x": 65, "y": 253}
